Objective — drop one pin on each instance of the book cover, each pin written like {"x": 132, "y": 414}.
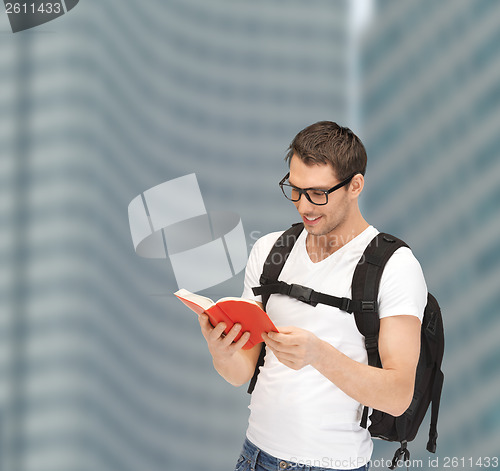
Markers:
{"x": 232, "y": 311}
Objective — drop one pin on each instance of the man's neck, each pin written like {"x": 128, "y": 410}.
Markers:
{"x": 320, "y": 247}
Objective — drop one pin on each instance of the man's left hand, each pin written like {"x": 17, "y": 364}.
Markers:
{"x": 294, "y": 347}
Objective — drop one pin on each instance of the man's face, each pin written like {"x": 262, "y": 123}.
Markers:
{"x": 319, "y": 220}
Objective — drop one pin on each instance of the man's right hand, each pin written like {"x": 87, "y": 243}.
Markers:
{"x": 233, "y": 363}
{"x": 222, "y": 346}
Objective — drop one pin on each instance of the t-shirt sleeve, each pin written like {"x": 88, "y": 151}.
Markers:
{"x": 403, "y": 290}
{"x": 255, "y": 264}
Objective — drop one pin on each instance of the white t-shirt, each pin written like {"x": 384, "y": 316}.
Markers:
{"x": 301, "y": 416}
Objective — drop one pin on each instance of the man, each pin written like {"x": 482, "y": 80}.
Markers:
{"x": 307, "y": 404}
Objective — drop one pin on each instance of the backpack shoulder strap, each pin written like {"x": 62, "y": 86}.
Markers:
{"x": 272, "y": 268}
{"x": 365, "y": 286}
{"x": 366, "y": 281}
{"x": 277, "y": 257}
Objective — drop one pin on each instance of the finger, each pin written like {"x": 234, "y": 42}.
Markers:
{"x": 285, "y": 339}
{"x": 273, "y": 346}
{"x": 205, "y": 325}
{"x": 232, "y": 334}
{"x": 269, "y": 341}
{"x": 276, "y": 345}
{"x": 276, "y": 338}
{"x": 275, "y": 351}
{"x": 218, "y": 330}
{"x": 287, "y": 329}
{"x": 241, "y": 341}
{"x": 204, "y": 322}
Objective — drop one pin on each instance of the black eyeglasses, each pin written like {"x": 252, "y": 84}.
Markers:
{"x": 314, "y": 195}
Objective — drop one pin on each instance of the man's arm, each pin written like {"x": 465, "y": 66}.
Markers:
{"x": 389, "y": 389}
{"x": 235, "y": 365}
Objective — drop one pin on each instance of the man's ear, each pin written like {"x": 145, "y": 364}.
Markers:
{"x": 357, "y": 184}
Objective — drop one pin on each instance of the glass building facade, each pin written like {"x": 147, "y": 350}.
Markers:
{"x": 430, "y": 107}
{"x": 101, "y": 367}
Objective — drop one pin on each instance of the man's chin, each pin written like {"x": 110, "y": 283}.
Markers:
{"x": 315, "y": 230}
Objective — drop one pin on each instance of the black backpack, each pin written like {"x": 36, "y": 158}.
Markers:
{"x": 365, "y": 283}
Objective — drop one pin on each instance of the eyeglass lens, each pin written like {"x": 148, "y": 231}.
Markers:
{"x": 314, "y": 196}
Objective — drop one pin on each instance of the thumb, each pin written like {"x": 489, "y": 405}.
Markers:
{"x": 288, "y": 329}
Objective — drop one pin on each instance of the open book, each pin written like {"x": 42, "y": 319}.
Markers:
{"x": 231, "y": 311}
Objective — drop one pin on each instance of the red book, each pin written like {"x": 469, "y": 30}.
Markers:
{"x": 231, "y": 311}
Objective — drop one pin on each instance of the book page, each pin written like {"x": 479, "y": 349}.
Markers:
{"x": 193, "y": 298}
{"x": 229, "y": 298}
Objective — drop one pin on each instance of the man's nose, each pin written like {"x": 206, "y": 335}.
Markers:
{"x": 303, "y": 205}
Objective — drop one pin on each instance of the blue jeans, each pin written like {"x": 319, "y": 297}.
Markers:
{"x": 254, "y": 459}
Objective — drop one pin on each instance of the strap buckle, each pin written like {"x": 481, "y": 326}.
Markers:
{"x": 302, "y": 293}
{"x": 431, "y": 444}
{"x": 371, "y": 344}
{"x": 263, "y": 280}
{"x": 345, "y": 305}
{"x": 368, "y": 306}
{"x": 402, "y": 453}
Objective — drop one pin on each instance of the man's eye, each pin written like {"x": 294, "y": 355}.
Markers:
{"x": 317, "y": 193}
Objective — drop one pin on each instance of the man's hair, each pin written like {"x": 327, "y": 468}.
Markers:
{"x": 326, "y": 142}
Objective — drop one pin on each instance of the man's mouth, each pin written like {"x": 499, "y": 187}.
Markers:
{"x": 311, "y": 220}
